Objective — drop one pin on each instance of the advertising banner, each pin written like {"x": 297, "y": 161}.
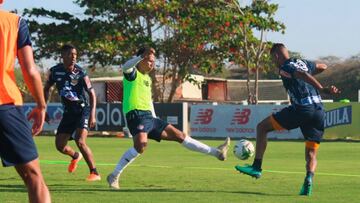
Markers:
{"x": 342, "y": 120}
{"x": 240, "y": 121}
{"x": 109, "y": 116}
{"x": 234, "y": 121}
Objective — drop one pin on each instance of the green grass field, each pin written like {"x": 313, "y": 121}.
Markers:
{"x": 167, "y": 172}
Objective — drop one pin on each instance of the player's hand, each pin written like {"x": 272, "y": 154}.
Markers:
{"x": 331, "y": 90}
{"x": 92, "y": 122}
{"x": 37, "y": 115}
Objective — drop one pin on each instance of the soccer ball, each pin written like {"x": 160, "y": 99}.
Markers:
{"x": 244, "y": 149}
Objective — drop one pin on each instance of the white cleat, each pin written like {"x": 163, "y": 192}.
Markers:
{"x": 113, "y": 181}
{"x": 223, "y": 149}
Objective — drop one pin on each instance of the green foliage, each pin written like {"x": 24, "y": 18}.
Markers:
{"x": 191, "y": 35}
{"x": 248, "y": 50}
{"x": 346, "y": 76}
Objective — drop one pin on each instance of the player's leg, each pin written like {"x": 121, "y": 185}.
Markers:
{"x": 284, "y": 119}
{"x": 34, "y": 181}
{"x": 61, "y": 140}
{"x": 61, "y": 143}
{"x": 17, "y": 148}
{"x": 140, "y": 143}
{"x": 311, "y": 149}
{"x": 80, "y": 139}
{"x": 172, "y": 134}
{"x": 313, "y": 131}
{"x": 262, "y": 129}
{"x": 65, "y": 129}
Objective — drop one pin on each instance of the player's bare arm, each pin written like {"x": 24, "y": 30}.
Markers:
{"x": 33, "y": 82}
{"x": 319, "y": 68}
{"x": 47, "y": 88}
{"x": 92, "y": 101}
{"x": 314, "y": 82}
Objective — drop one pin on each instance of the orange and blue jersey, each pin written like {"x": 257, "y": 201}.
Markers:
{"x": 16, "y": 143}
{"x": 14, "y": 35}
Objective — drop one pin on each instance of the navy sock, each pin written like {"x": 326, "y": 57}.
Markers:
{"x": 94, "y": 171}
{"x": 257, "y": 164}
{"x": 76, "y": 155}
{"x": 309, "y": 176}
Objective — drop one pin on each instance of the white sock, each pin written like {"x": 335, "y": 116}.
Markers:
{"x": 198, "y": 146}
{"x": 127, "y": 158}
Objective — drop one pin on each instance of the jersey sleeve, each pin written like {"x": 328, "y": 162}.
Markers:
{"x": 311, "y": 66}
{"x": 23, "y": 34}
{"x": 299, "y": 65}
{"x": 131, "y": 76}
{"x": 83, "y": 70}
{"x": 289, "y": 68}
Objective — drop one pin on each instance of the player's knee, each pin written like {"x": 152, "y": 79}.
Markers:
{"x": 262, "y": 127}
{"x": 81, "y": 143}
{"x": 180, "y": 137}
{"x": 140, "y": 147}
{"x": 312, "y": 154}
{"x": 31, "y": 176}
{"x": 61, "y": 148}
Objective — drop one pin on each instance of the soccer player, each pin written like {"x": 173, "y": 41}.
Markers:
{"x": 306, "y": 111}
{"x": 140, "y": 116}
{"x": 74, "y": 88}
{"x": 17, "y": 147}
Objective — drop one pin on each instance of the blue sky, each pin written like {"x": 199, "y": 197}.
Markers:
{"x": 315, "y": 28}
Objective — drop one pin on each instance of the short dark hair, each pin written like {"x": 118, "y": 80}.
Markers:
{"x": 276, "y": 47}
{"x": 66, "y": 47}
{"x": 145, "y": 50}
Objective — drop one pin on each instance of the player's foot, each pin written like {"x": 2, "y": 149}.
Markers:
{"x": 74, "y": 163}
{"x": 306, "y": 188}
{"x": 223, "y": 149}
{"x": 113, "y": 181}
{"x": 93, "y": 177}
{"x": 249, "y": 170}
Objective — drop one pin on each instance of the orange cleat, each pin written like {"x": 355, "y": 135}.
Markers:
{"x": 93, "y": 177}
{"x": 73, "y": 164}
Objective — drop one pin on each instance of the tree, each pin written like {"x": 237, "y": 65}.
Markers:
{"x": 201, "y": 34}
{"x": 248, "y": 50}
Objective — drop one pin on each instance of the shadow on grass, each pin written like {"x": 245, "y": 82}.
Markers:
{"x": 91, "y": 189}
{"x": 66, "y": 188}
{"x": 12, "y": 188}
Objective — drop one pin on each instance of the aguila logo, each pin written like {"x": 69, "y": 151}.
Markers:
{"x": 204, "y": 116}
{"x": 241, "y": 117}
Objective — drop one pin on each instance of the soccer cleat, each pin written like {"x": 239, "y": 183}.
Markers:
{"x": 74, "y": 163}
{"x": 223, "y": 149}
{"x": 249, "y": 170}
{"x": 113, "y": 181}
{"x": 93, "y": 177}
{"x": 306, "y": 188}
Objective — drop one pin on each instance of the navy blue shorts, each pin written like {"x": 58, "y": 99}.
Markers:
{"x": 309, "y": 118}
{"x": 16, "y": 143}
{"x": 143, "y": 121}
{"x": 74, "y": 120}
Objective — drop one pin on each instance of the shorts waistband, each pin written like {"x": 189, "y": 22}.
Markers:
{"x": 309, "y": 100}
{"x": 136, "y": 113}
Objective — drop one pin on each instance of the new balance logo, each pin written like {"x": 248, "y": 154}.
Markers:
{"x": 241, "y": 117}
{"x": 204, "y": 116}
